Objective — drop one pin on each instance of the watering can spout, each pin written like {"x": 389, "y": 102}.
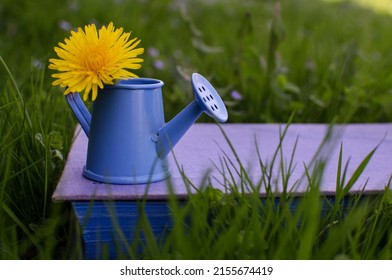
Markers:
{"x": 206, "y": 100}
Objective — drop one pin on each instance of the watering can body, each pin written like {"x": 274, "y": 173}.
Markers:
{"x": 128, "y": 137}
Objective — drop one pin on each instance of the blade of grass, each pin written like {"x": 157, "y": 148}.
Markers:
{"x": 22, "y": 110}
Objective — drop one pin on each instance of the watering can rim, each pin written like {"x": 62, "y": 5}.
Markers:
{"x": 136, "y": 83}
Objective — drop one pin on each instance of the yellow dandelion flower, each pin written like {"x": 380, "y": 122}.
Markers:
{"x": 90, "y": 59}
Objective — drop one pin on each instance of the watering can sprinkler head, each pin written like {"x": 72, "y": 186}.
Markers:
{"x": 206, "y": 100}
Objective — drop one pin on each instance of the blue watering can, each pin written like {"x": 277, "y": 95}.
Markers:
{"x": 128, "y": 137}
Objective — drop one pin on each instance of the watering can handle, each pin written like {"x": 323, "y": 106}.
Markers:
{"x": 80, "y": 111}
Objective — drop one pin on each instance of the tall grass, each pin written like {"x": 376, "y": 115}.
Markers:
{"x": 328, "y": 62}
{"x": 238, "y": 224}
{"x": 33, "y": 141}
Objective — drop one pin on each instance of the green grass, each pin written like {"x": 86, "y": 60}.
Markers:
{"x": 240, "y": 225}
{"x": 326, "y": 61}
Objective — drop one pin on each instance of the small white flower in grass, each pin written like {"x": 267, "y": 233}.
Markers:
{"x": 37, "y": 63}
{"x": 236, "y": 95}
{"x": 159, "y": 64}
{"x": 65, "y": 25}
{"x": 153, "y": 52}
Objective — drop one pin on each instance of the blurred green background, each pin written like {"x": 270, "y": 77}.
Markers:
{"x": 325, "y": 60}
